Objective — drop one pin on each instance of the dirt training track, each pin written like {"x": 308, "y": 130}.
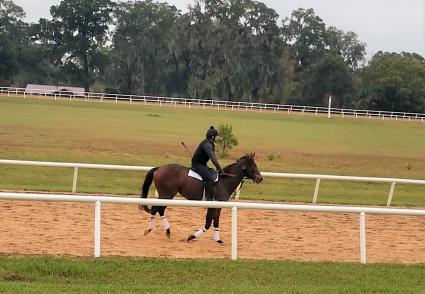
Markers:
{"x": 53, "y": 228}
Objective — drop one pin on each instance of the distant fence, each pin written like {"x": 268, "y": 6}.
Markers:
{"x": 218, "y": 104}
{"x": 216, "y": 204}
{"x": 318, "y": 178}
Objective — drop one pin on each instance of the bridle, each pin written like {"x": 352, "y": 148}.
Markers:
{"x": 243, "y": 167}
{"x": 244, "y": 177}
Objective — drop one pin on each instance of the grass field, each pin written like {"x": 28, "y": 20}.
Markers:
{"x": 59, "y": 275}
{"x": 72, "y": 131}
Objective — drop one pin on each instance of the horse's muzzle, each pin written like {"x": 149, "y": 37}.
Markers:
{"x": 258, "y": 178}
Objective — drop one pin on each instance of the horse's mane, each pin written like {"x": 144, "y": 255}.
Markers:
{"x": 243, "y": 159}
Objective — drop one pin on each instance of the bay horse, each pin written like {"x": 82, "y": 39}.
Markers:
{"x": 171, "y": 179}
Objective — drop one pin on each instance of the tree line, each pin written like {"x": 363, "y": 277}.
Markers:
{"x": 219, "y": 49}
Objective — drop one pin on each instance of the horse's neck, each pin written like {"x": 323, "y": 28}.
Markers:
{"x": 232, "y": 183}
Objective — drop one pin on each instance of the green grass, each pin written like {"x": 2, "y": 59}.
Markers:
{"x": 54, "y": 275}
{"x": 72, "y": 131}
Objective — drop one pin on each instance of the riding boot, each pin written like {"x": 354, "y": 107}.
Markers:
{"x": 209, "y": 191}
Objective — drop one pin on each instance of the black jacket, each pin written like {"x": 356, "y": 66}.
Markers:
{"x": 204, "y": 153}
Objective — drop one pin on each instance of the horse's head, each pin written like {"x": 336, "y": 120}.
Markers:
{"x": 247, "y": 163}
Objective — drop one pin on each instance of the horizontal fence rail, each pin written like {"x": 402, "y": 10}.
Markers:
{"x": 218, "y": 104}
{"x": 317, "y": 177}
{"x": 234, "y": 206}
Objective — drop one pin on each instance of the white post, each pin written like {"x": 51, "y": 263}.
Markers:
{"x": 362, "y": 237}
{"x": 234, "y": 233}
{"x": 316, "y": 191}
{"x": 74, "y": 181}
{"x": 329, "y": 106}
{"x": 390, "y": 196}
{"x": 97, "y": 229}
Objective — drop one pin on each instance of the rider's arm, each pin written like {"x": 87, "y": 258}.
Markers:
{"x": 211, "y": 155}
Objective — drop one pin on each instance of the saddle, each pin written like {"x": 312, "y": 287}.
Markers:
{"x": 195, "y": 175}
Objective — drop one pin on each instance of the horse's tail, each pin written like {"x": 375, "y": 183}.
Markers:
{"x": 145, "y": 188}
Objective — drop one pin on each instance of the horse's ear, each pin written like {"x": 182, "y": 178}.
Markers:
{"x": 253, "y": 155}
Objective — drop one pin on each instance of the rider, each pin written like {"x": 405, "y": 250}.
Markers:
{"x": 202, "y": 155}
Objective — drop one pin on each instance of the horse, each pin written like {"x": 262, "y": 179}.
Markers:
{"x": 171, "y": 179}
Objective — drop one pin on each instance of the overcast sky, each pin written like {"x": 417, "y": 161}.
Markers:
{"x": 387, "y": 25}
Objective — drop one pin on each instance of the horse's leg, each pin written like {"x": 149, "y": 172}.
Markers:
{"x": 152, "y": 223}
{"x": 165, "y": 223}
{"x": 208, "y": 221}
{"x": 216, "y": 223}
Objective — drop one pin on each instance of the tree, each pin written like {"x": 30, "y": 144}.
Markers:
{"x": 234, "y": 48}
{"x": 226, "y": 140}
{"x": 12, "y": 29}
{"x": 329, "y": 76}
{"x": 76, "y": 34}
{"x": 286, "y": 76}
{"x": 394, "y": 82}
{"x": 141, "y": 45}
{"x": 305, "y": 34}
{"x": 345, "y": 45}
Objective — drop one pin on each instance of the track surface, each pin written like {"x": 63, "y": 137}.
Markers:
{"x": 67, "y": 229}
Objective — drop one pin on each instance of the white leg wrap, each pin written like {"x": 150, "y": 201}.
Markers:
{"x": 200, "y": 232}
{"x": 216, "y": 234}
{"x": 152, "y": 223}
{"x": 165, "y": 223}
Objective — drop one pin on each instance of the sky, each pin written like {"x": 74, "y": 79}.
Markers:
{"x": 387, "y": 25}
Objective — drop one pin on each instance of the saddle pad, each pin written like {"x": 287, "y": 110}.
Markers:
{"x": 197, "y": 176}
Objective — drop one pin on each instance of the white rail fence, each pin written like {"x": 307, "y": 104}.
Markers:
{"x": 219, "y": 104}
{"x": 318, "y": 178}
{"x": 98, "y": 200}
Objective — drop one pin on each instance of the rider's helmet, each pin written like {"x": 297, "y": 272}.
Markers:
{"x": 212, "y": 133}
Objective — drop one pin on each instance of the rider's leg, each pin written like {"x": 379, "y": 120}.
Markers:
{"x": 206, "y": 175}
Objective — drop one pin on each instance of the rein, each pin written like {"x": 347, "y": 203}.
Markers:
{"x": 237, "y": 190}
{"x": 234, "y": 193}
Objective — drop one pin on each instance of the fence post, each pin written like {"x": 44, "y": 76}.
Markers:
{"x": 329, "y": 106}
{"x": 362, "y": 237}
{"x": 234, "y": 233}
{"x": 316, "y": 191}
{"x": 390, "y": 196}
{"x": 75, "y": 179}
{"x": 97, "y": 216}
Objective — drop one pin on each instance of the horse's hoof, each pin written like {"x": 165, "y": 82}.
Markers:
{"x": 191, "y": 237}
{"x": 220, "y": 242}
{"x": 168, "y": 233}
{"x": 147, "y": 231}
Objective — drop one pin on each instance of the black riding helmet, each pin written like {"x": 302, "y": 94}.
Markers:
{"x": 212, "y": 132}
